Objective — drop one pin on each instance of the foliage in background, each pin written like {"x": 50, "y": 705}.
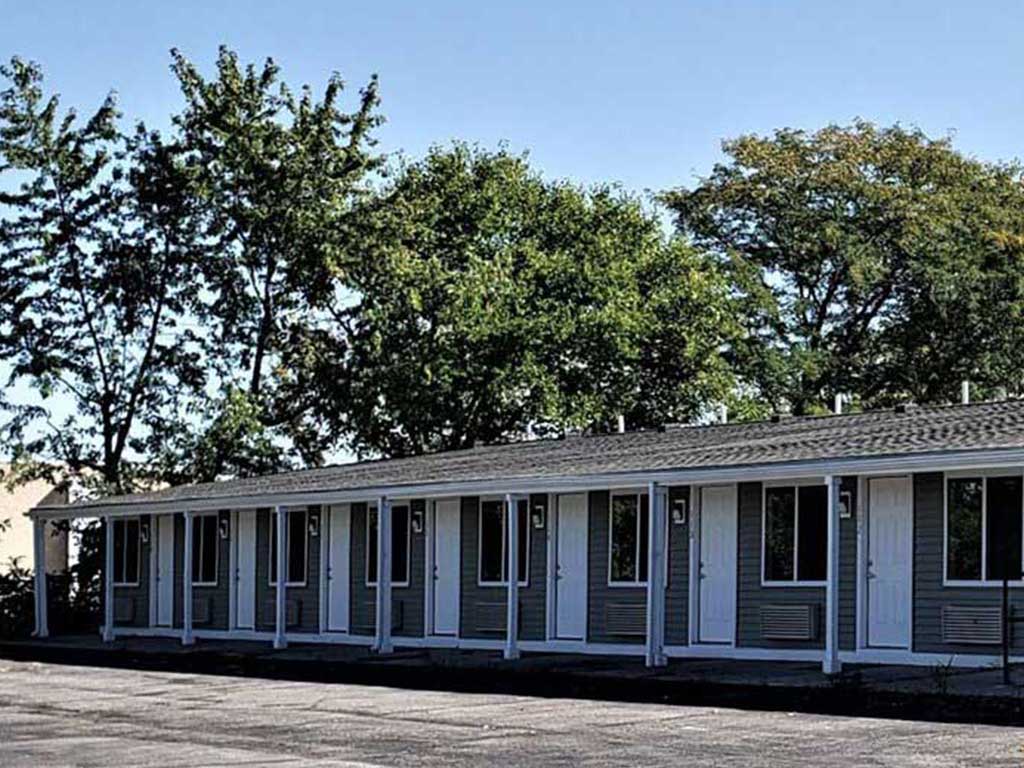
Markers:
{"x": 491, "y": 303}
{"x": 869, "y": 260}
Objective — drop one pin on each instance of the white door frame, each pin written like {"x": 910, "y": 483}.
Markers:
{"x": 863, "y": 543}
{"x": 329, "y": 578}
{"x": 693, "y": 619}
{"x": 430, "y": 593}
{"x": 235, "y": 572}
{"x": 557, "y": 530}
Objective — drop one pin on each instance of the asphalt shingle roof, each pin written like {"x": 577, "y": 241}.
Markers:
{"x": 919, "y": 430}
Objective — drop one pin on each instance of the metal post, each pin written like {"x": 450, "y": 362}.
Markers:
{"x": 655, "y": 653}
{"x": 280, "y": 618}
{"x": 831, "y": 664}
{"x": 39, "y": 558}
{"x": 383, "y": 642}
{"x": 512, "y": 615}
{"x": 186, "y": 579}
{"x": 108, "y": 580}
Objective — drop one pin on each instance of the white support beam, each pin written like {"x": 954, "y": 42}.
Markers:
{"x": 655, "y": 646}
{"x": 280, "y": 520}
{"x": 831, "y": 664}
{"x": 108, "y": 580}
{"x": 39, "y": 563}
{"x": 512, "y": 552}
{"x": 187, "y": 638}
{"x": 382, "y": 643}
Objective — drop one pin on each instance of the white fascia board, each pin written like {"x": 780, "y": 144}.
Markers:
{"x": 794, "y": 470}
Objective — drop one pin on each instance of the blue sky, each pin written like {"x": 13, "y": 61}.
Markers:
{"x": 637, "y": 93}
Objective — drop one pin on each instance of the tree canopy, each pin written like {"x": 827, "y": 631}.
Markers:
{"x": 871, "y": 261}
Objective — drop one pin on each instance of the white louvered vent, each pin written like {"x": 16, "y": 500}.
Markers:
{"x": 626, "y": 619}
{"x": 972, "y": 625}
{"x": 789, "y": 622}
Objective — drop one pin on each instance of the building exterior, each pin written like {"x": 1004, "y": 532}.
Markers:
{"x": 16, "y": 538}
{"x": 875, "y": 537}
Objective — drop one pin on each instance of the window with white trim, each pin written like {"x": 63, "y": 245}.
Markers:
{"x": 984, "y": 528}
{"x": 298, "y": 551}
{"x": 400, "y": 535}
{"x": 794, "y": 537}
{"x": 205, "y": 537}
{"x": 628, "y": 535}
{"x": 493, "y": 539}
{"x": 127, "y": 552}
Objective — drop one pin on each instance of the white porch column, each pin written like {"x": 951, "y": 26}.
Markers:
{"x": 655, "y": 649}
{"x": 512, "y": 615}
{"x": 382, "y": 643}
{"x": 108, "y": 579}
{"x": 831, "y": 664}
{"x": 280, "y": 520}
{"x": 187, "y": 637}
{"x": 39, "y": 562}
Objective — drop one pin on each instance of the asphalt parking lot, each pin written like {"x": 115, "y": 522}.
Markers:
{"x": 55, "y": 715}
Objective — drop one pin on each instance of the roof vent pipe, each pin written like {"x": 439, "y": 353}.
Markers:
{"x": 622, "y": 424}
{"x": 965, "y": 392}
{"x": 723, "y": 413}
{"x": 838, "y": 407}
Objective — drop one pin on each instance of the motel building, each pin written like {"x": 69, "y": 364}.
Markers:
{"x": 880, "y": 537}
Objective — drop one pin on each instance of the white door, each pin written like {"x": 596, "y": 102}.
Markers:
{"x": 245, "y": 573}
{"x": 338, "y": 574}
{"x": 717, "y": 565}
{"x": 890, "y": 549}
{"x": 447, "y": 568}
{"x": 571, "y": 568}
{"x": 165, "y": 570}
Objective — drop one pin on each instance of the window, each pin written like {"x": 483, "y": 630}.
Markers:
{"x": 399, "y": 546}
{"x": 984, "y": 528}
{"x": 296, "y": 555}
{"x": 493, "y": 563}
{"x": 204, "y": 550}
{"x": 795, "y": 542}
{"x": 126, "y": 552}
{"x": 629, "y": 535}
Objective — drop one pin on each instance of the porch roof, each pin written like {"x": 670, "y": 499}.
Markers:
{"x": 888, "y": 440}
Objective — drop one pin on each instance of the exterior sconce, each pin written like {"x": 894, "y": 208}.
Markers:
{"x": 538, "y": 515}
{"x": 679, "y": 511}
{"x": 417, "y": 521}
{"x": 224, "y": 526}
{"x": 144, "y": 531}
{"x": 845, "y": 504}
{"x": 313, "y": 526}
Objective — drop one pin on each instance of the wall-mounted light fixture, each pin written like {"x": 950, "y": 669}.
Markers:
{"x": 538, "y": 515}
{"x": 313, "y": 524}
{"x": 679, "y": 511}
{"x": 144, "y": 531}
{"x": 845, "y": 504}
{"x": 224, "y": 526}
{"x": 417, "y": 520}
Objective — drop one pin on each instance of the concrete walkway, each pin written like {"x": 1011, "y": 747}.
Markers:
{"x": 940, "y": 693}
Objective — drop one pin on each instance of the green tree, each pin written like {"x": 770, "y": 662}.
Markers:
{"x": 866, "y": 259}
{"x": 98, "y": 274}
{"x": 491, "y": 303}
{"x": 277, "y": 178}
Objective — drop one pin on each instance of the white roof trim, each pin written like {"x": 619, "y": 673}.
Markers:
{"x": 900, "y": 464}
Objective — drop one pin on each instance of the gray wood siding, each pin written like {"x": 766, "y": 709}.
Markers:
{"x": 480, "y": 604}
{"x": 216, "y": 596}
{"x": 601, "y": 595}
{"x": 848, "y": 571}
{"x": 407, "y": 602}
{"x": 677, "y": 596}
{"x": 751, "y": 594}
{"x": 307, "y": 597}
{"x": 135, "y": 597}
{"x": 929, "y": 593}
